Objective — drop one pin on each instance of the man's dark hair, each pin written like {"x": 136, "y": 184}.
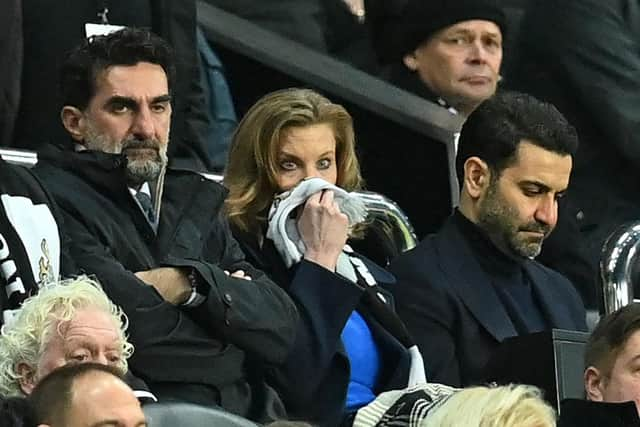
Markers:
{"x": 52, "y": 398}
{"x": 129, "y": 46}
{"x": 610, "y": 336}
{"x": 496, "y": 128}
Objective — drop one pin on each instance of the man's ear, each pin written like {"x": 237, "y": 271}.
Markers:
{"x": 27, "y": 378}
{"x": 74, "y": 122}
{"x": 477, "y": 176}
{"x": 410, "y": 61}
{"x": 594, "y": 382}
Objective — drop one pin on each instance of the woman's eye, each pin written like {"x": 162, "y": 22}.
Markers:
{"x": 288, "y": 166}
{"x": 324, "y": 164}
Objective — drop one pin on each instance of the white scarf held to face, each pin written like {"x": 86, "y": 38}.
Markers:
{"x": 283, "y": 229}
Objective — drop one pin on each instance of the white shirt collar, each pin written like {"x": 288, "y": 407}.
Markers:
{"x": 144, "y": 188}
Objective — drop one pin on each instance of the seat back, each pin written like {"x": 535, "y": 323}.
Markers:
{"x": 619, "y": 266}
{"x": 551, "y": 360}
{"x": 172, "y": 414}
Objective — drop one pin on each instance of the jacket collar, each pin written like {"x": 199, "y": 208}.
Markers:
{"x": 470, "y": 282}
{"x": 105, "y": 171}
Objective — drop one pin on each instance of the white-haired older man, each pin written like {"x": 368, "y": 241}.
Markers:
{"x": 70, "y": 322}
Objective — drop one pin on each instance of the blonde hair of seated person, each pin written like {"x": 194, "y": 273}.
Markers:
{"x": 504, "y": 406}
{"x": 252, "y": 165}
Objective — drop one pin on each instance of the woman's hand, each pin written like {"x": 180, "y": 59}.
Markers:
{"x": 323, "y": 229}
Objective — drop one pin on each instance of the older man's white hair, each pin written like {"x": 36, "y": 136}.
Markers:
{"x": 25, "y": 339}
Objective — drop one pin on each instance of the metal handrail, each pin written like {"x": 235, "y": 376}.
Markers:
{"x": 387, "y": 217}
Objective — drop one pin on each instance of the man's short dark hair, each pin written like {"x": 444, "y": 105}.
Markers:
{"x": 496, "y": 128}
{"x": 52, "y": 398}
{"x": 127, "y": 47}
{"x": 610, "y": 336}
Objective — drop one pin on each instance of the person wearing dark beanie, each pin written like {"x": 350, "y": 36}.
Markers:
{"x": 448, "y": 51}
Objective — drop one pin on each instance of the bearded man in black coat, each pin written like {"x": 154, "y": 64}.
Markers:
{"x": 205, "y": 323}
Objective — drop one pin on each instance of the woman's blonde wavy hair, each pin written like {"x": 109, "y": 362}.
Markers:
{"x": 25, "y": 339}
{"x": 504, "y": 406}
{"x": 252, "y": 166}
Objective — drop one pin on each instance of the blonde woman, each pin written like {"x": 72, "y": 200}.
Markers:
{"x": 350, "y": 345}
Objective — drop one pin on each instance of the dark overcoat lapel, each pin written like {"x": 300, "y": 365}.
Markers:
{"x": 471, "y": 283}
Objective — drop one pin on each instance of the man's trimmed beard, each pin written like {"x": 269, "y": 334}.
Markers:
{"x": 502, "y": 224}
{"x": 146, "y": 169}
{"x": 139, "y": 171}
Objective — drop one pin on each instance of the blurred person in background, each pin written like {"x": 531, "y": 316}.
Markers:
{"x": 449, "y": 52}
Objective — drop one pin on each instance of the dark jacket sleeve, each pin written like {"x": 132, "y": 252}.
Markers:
{"x": 429, "y": 314}
{"x": 156, "y": 324}
{"x": 152, "y": 320}
{"x": 256, "y": 315}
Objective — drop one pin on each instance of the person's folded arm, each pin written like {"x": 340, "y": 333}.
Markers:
{"x": 252, "y": 312}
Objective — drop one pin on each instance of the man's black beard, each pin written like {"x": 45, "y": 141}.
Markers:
{"x": 500, "y": 222}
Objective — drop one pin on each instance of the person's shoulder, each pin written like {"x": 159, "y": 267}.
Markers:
{"x": 15, "y": 174}
{"x": 179, "y": 172}
{"x": 186, "y": 179}
{"x": 18, "y": 180}
{"x": 419, "y": 272}
{"x": 423, "y": 254}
